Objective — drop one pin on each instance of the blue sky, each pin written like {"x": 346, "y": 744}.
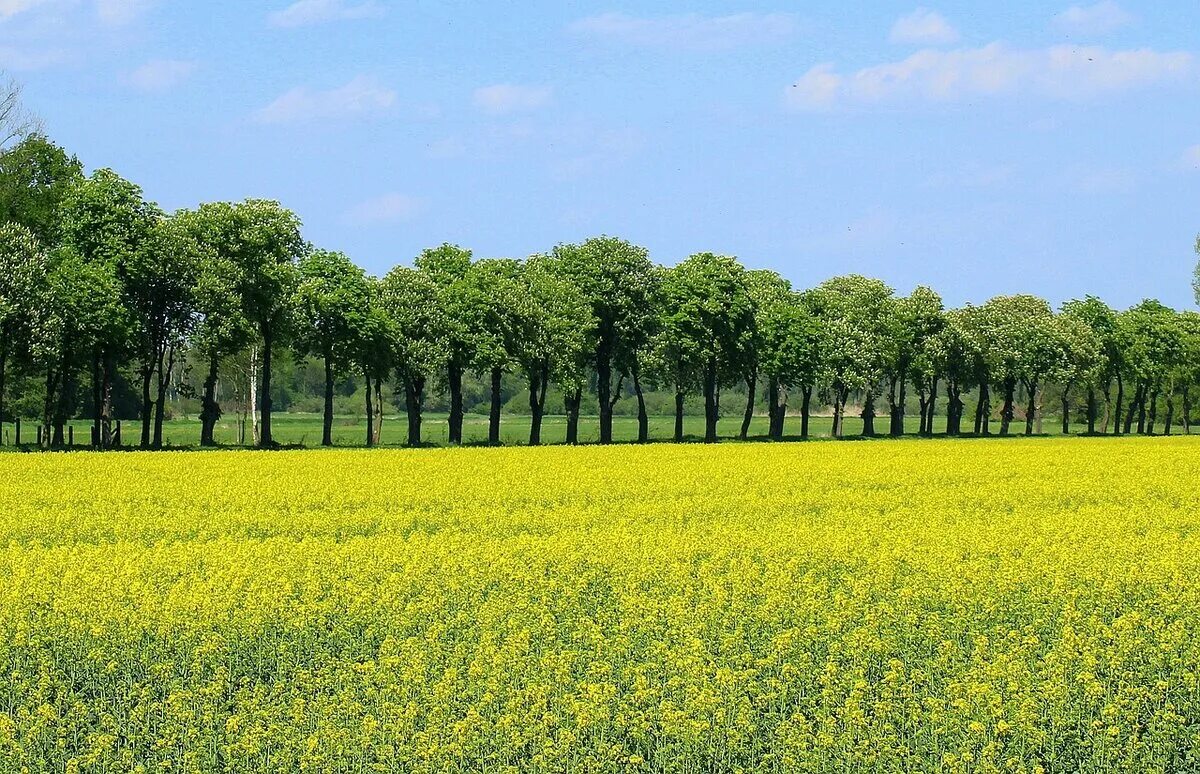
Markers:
{"x": 1019, "y": 147}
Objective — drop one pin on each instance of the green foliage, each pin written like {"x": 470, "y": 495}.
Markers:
{"x": 35, "y": 176}
{"x": 331, "y": 304}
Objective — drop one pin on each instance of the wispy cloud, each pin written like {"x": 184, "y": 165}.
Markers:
{"x": 1058, "y": 72}
{"x": 161, "y": 74}
{"x": 305, "y": 12}
{"x": 923, "y": 27}
{"x": 1098, "y": 19}
{"x": 118, "y": 12}
{"x": 503, "y": 98}
{"x": 388, "y": 208}
{"x": 690, "y": 31}
{"x": 362, "y": 96}
{"x": 42, "y": 33}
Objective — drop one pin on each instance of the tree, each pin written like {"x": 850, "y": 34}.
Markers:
{"x": 35, "y": 176}
{"x": 75, "y": 315}
{"x": 1188, "y": 371}
{"x": 376, "y": 356}
{"x": 555, "y": 346}
{"x": 409, "y": 299}
{"x": 1153, "y": 346}
{"x": 159, "y": 286}
{"x": 674, "y": 358}
{"x": 855, "y": 315}
{"x": 618, "y": 280}
{"x": 331, "y": 305}
{"x": 953, "y": 353}
{"x": 787, "y": 348}
{"x": 264, "y": 244}
{"x": 23, "y": 264}
{"x": 1096, "y": 368}
{"x": 768, "y": 291}
{"x": 916, "y": 319}
{"x": 16, "y": 121}
{"x": 447, "y": 267}
{"x": 710, "y": 306}
{"x": 1014, "y": 333}
{"x": 105, "y": 221}
{"x": 500, "y": 316}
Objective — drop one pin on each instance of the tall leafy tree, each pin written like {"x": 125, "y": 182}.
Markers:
{"x": 555, "y": 346}
{"x": 23, "y": 264}
{"x": 1154, "y": 344}
{"x": 955, "y": 355}
{"x": 159, "y": 282}
{"x": 447, "y": 266}
{"x": 332, "y": 302}
{"x": 78, "y": 311}
{"x": 787, "y": 348}
{"x": 500, "y": 316}
{"x": 105, "y": 221}
{"x": 916, "y": 319}
{"x": 855, "y": 314}
{"x": 409, "y": 299}
{"x": 711, "y": 307}
{"x": 1096, "y": 368}
{"x": 618, "y": 280}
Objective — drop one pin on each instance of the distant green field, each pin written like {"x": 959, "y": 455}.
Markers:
{"x": 305, "y": 429}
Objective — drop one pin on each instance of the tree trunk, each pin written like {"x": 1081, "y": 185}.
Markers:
{"x": 897, "y": 418}
{"x": 454, "y": 379}
{"x": 932, "y": 408}
{"x": 160, "y": 404}
{"x": 97, "y": 401}
{"x": 147, "y": 406}
{"x": 1187, "y": 410}
{"x": 1143, "y": 391}
{"x": 327, "y": 417}
{"x": 573, "y": 400}
{"x": 643, "y": 417}
{"x": 1031, "y": 408}
{"x": 711, "y": 408}
{"x": 604, "y": 391}
{"x": 3, "y": 386}
{"x": 1066, "y": 411}
{"x": 679, "y": 398}
{"x": 494, "y": 414}
{"x": 868, "y": 415}
{"x": 265, "y": 441}
{"x": 775, "y": 410}
{"x": 414, "y": 399}
{"x": 954, "y": 410}
{"x": 1091, "y": 410}
{"x": 378, "y": 409}
{"x": 1006, "y": 414}
{"x": 538, "y": 378}
{"x": 983, "y": 412}
{"x": 370, "y": 411}
{"x": 47, "y": 410}
{"x": 805, "y": 409}
{"x": 840, "y": 393}
{"x": 106, "y": 404}
{"x": 1170, "y": 418}
{"x": 1153, "y": 415}
{"x": 210, "y": 411}
{"x": 923, "y": 407}
{"x": 1119, "y": 405}
{"x": 748, "y": 415}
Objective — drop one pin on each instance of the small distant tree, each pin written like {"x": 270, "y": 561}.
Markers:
{"x": 918, "y": 318}
{"x": 331, "y": 305}
{"x": 1093, "y": 367}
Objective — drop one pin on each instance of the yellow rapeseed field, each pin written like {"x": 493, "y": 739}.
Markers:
{"x": 892, "y": 606}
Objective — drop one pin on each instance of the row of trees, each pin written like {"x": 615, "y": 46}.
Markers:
{"x": 96, "y": 281}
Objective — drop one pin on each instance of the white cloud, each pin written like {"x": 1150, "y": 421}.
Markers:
{"x": 118, "y": 12}
{"x": 13, "y": 7}
{"x": 1191, "y": 158}
{"x": 161, "y": 74}
{"x": 304, "y": 12}
{"x": 690, "y": 31}
{"x": 923, "y": 27}
{"x": 388, "y": 208}
{"x": 362, "y": 96}
{"x": 1098, "y": 19}
{"x": 1058, "y": 72}
{"x": 504, "y": 98}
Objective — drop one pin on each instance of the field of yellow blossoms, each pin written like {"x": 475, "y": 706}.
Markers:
{"x": 966, "y": 606}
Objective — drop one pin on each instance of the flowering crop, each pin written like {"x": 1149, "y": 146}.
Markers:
{"x": 894, "y": 606}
